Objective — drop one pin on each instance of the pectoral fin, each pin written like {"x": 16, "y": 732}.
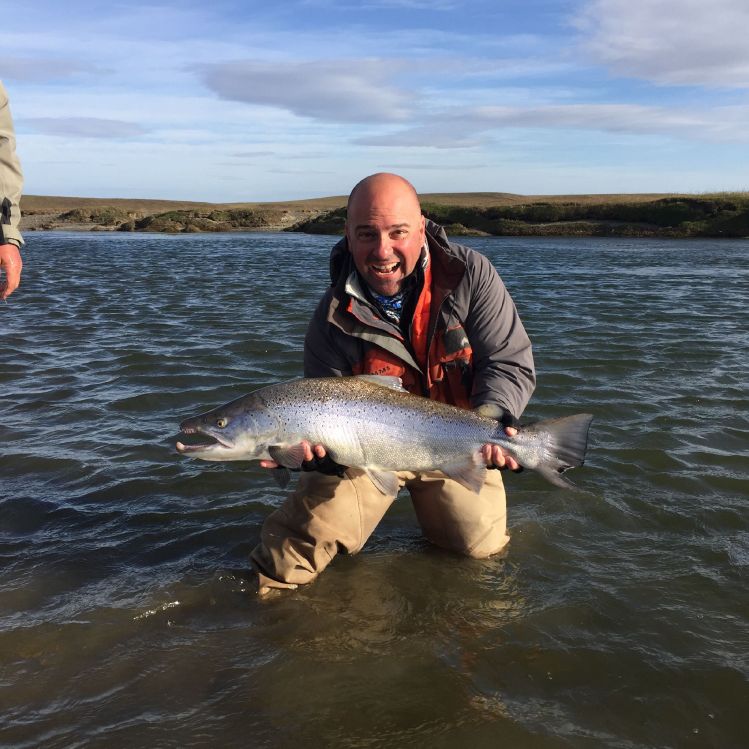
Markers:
{"x": 281, "y": 476}
{"x": 385, "y": 481}
{"x": 289, "y": 456}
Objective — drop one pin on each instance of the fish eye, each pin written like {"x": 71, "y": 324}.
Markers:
{"x": 221, "y": 422}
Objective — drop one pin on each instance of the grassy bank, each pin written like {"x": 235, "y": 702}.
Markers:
{"x": 725, "y": 215}
{"x": 496, "y": 214}
{"x": 40, "y": 213}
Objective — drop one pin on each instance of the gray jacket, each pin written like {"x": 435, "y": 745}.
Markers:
{"x": 11, "y": 178}
{"x": 471, "y": 312}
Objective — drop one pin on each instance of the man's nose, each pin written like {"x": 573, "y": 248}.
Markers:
{"x": 384, "y": 245}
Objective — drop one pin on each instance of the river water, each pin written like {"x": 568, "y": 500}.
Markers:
{"x": 617, "y": 618}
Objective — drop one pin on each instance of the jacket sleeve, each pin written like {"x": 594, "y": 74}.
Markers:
{"x": 322, "y": 358}
{"x": 504, "y": 374}
{"x": 11, "y": 178}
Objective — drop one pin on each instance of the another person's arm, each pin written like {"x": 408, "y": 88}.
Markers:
{"x": 11, "y": 183}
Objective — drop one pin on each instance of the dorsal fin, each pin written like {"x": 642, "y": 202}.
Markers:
{"x": 386, "y": 381}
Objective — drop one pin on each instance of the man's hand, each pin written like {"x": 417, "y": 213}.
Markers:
{"x": 313, "y": 458}
{"x": 496, "y": 457}
{"x": 11, "y": 263}
{"x": 310, "y": 453}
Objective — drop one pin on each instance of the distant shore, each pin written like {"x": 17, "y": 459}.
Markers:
{"x": 462, "y": 214}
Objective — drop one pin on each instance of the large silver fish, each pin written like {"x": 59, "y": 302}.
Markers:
{"x": 372, "y": 423}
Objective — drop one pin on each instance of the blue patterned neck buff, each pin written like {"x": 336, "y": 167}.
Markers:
{"x": 392, "y": 306}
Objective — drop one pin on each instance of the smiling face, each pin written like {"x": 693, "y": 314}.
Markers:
{"x": 385, "y": 231}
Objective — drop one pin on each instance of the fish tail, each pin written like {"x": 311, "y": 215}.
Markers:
{"x": 566, "y": 440}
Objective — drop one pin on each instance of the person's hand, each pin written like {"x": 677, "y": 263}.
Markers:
{"x": 495, "y": 457}
{"x": 11, "y": 264}
{"x": 310, "y": 453}
{"x": 313, "y": 458}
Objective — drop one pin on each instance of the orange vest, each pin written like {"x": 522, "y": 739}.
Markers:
{"x": 446, "y": 367}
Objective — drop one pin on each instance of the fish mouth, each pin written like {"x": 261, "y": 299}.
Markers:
{"x": 214, "y": 443}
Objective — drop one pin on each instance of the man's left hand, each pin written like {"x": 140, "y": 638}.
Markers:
{"x": 11, "y": 264}
{"x": 496, "y": 457}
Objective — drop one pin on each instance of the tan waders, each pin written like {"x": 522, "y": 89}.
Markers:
{"x": 327, "y": 514}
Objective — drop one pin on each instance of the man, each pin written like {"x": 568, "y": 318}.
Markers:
{"x": 11, "y": 181}
{"x": 406, "y": 302}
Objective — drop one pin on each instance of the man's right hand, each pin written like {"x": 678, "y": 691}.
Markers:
{"x": 310, "y": 452}
{"x": 315, "y": 459}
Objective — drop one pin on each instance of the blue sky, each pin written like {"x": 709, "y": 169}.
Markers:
{"x": 243, "y": 101}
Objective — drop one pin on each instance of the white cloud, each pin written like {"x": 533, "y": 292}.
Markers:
{"x": 440, "y": 167}
{"x": 426, "y": 5}
{"x": 83, "y": 127}
{"x": 469, "y": 127}
{"x": 682, "y": 42}
{"x": 446, "y": 134}
{"x": 721, "y": 124}
{"x": 34, "y": 69}
{"x": 326, "y": 90}
{"x": 252, "y": 154}
{"x": 303, "y": 171}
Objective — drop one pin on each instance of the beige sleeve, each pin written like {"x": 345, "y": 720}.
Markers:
{"x": 11, "y": 177}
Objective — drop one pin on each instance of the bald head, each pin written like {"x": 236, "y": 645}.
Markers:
{"x": 383, "y": 183}
{"x": 385, "y": 231}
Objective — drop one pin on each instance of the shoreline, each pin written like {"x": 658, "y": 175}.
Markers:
{"x": 716, "y": 215}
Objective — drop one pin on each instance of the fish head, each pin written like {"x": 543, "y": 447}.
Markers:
{"x": 239, "y": 430}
